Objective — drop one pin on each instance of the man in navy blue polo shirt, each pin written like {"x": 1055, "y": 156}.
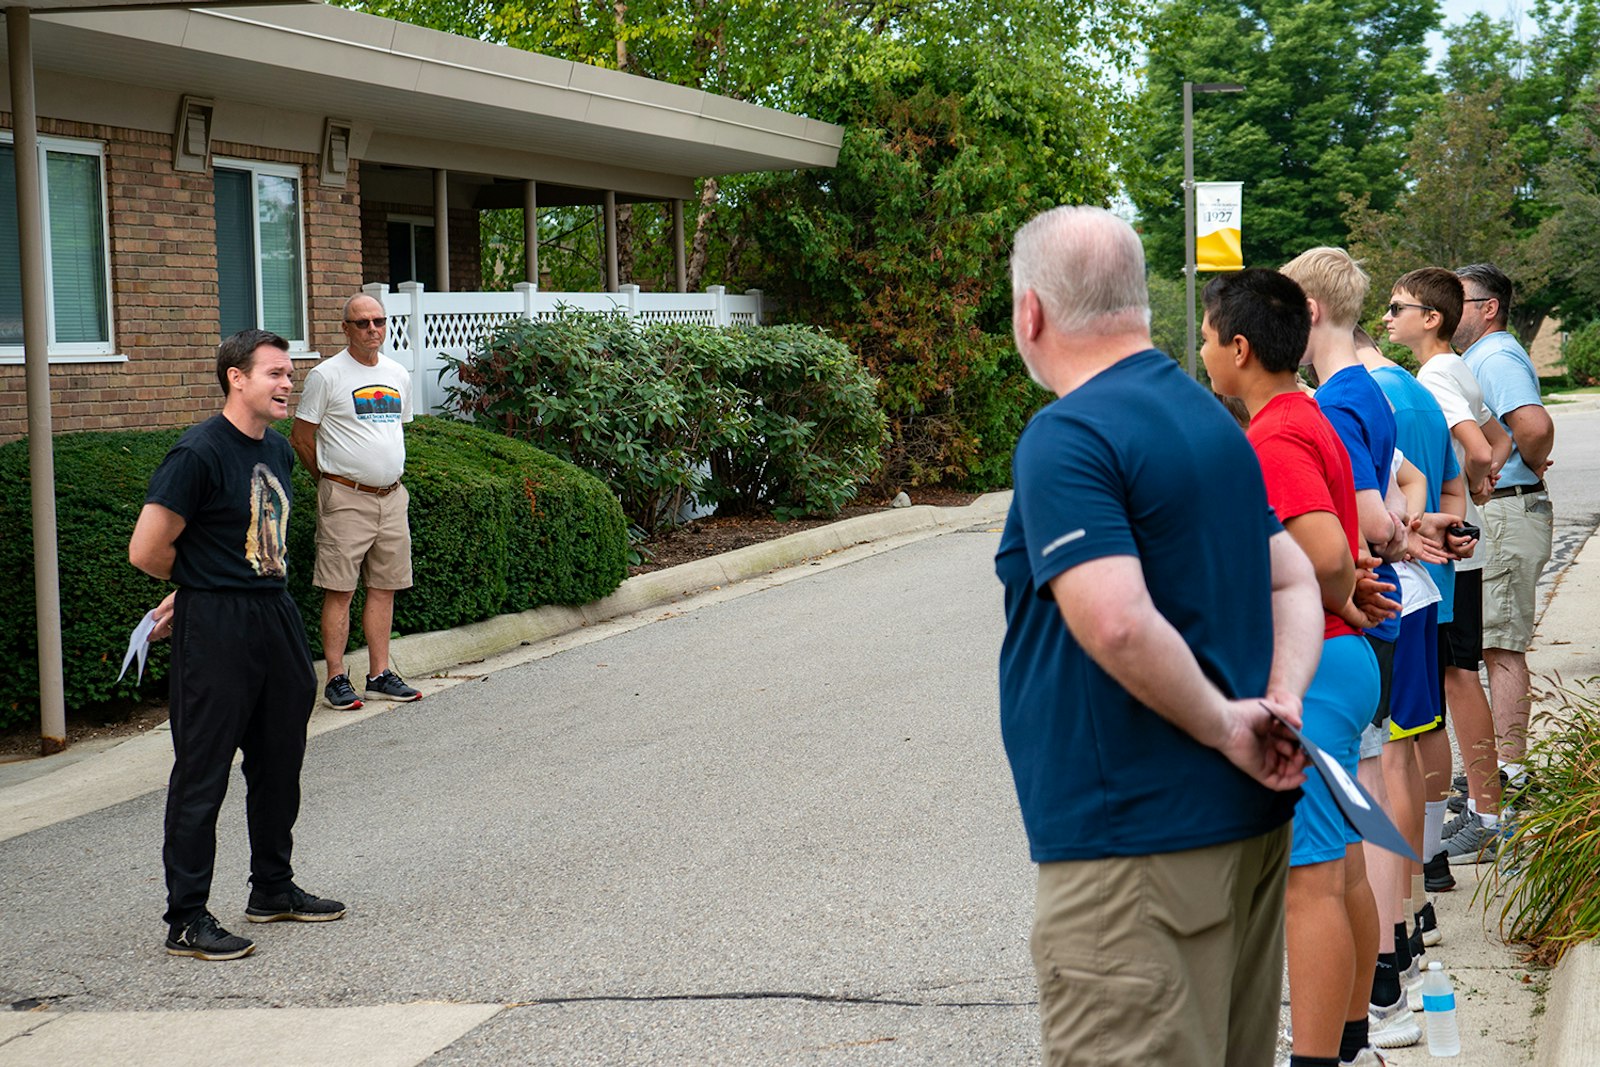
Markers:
{"x": 1157, "y": 616}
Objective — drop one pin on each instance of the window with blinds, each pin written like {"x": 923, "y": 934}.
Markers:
{"x": 260, "y": 259}
{"x": 77, "y": 272}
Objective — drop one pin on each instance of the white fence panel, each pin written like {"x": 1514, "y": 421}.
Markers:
{"x": 424, "y": 327}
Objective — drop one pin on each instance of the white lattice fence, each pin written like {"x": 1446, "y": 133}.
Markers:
{"x": 453, "y": 323}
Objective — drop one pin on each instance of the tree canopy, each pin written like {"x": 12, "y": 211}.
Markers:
{"x": 1332, "y": 90}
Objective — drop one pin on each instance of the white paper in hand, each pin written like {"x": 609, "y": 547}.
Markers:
{"x": 139, "y": 645}
{"x": 1355, "y": 802}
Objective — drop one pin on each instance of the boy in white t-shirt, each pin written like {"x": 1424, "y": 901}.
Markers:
{"x": 1481, "y": 448}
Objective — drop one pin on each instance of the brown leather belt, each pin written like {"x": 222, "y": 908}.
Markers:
{"x": 1518, "y": 490}
{"x": 375, "y": 490}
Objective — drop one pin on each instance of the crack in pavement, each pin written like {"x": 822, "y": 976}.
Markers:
{"x": 769, "y": 994}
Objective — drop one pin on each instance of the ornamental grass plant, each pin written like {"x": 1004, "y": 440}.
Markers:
{"x": 1548, "y": 873}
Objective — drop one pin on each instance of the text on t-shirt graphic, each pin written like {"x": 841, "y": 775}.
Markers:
{"x": 377, "y": 403}
{"x": 267, "y": 536}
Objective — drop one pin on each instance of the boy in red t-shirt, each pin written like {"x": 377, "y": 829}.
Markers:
{"x": 1255, "y": 331}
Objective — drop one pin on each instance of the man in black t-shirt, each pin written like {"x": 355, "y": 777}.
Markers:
{"x": 215, "y": 522}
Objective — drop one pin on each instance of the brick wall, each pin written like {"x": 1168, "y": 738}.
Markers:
{"x": 164, "y": 285}
{"x": 465, "y": 239}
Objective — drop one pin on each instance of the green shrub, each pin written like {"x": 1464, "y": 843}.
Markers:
{"x": 815, "y": 432}
{"x": 779, "y": 417}
{"x": 496, "y": 526}
{"x": 590, "y": 389}
{"x": 1580, "y": 355}
{"x": 1549, "y": 870}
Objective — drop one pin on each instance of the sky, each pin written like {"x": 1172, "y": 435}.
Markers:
{"x": 1455, "y": 11}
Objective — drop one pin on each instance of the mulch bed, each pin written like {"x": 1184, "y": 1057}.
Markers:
{"x": 696, "y": 540}
{"x": 718, "y": 534}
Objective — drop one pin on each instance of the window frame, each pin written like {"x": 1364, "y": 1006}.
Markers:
{"x": 415, "y": 221}
{"x": 298, "y": 346}
{"x": 70, "y": 351}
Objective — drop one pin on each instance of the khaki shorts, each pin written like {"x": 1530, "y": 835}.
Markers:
{"x": 1173, "y": 959}
{"x": 362, "y": 535}
{"x": 1518, "y": 530}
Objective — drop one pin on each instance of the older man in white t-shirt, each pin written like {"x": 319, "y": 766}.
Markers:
{"x": 1481, "y": 448}
{"x": 348, "y": 431}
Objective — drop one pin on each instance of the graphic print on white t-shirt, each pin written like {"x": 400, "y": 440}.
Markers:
{"x": 377, "y": 403}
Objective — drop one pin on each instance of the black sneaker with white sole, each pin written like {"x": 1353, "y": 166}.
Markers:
{"x": 1436, "y": 876}
{"x": 390, "y": 686}
{"x": 293, "y": 905}
{"x": 204, "y": 939}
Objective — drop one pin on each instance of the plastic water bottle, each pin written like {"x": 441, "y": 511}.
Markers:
{"x": 1439, "y": 1009}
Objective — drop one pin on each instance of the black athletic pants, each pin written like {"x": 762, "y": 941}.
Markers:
{"x": 241, "y": 680}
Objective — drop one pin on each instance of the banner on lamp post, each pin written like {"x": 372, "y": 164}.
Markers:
{"x": 1217, "y": 207}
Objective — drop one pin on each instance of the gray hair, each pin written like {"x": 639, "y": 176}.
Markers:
{"x": 1087, "y": 266}
{"x": 344, "y": 312}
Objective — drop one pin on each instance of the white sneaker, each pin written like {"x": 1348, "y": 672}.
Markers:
{"x": 1411, "y": 985}
{"x": 1392, "y": 1026}
{"x": 1367, "y": 1057}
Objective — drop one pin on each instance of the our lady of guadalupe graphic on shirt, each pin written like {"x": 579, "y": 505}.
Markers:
{"x": 377, "y": 403}
{"x": 266, "y": 542}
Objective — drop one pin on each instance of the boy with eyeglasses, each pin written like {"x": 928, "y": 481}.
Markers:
{"x": 348, "y": 431}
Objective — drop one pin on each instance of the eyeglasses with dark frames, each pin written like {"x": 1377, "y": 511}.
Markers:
{"x": 1478, "y": 299}
{"x": 1396, "y": 307}
{"x": 361, "y": 324}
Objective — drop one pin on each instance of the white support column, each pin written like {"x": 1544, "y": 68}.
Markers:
{"x": 441, "y": 228}
{"x": 610, "y": 221}
{"x": 379, "y": 290}
{"x": 417, "y": 335}
{"x": 719, "y": 303}
{"x": 530, "y": 229}
{"x": 760, "y": 310}
{"x": 528, "y": 291}
{"x": 680, "y": 261}
{"x": 630, "y": 293}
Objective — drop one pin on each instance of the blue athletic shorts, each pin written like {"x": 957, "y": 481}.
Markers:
{"x": 1414, "y": 700}
{"x": 1338, "y": 706}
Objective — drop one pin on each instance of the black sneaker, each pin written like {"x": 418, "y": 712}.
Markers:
{"x": 1428, "y": 926}
{"x": 1436, "y": 876}
{"x": 341, "y": 694}
{"x": 295, "y": 905}
{"x": 390, "y": 686}
{"x": 204, "y": 939}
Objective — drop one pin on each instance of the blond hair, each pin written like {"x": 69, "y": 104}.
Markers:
{"x": 1334, "y": 280}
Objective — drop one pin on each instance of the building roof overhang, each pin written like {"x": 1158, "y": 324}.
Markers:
{"x": 420, "y": 97}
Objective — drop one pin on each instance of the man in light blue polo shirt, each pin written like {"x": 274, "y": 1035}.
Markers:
{"x": 1517, "y": 519}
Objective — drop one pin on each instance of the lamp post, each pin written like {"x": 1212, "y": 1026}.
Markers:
{"x": 1189, "y": 89}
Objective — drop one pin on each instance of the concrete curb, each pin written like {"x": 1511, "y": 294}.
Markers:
{"x": 1571, "y": 1031}
{"x": 141, "y": 764}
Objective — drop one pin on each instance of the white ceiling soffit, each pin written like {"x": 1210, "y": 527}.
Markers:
{"x": 404, "y": 80}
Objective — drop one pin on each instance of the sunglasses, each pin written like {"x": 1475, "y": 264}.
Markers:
{"x": 361, "y": 324}
{"x": 1395, "y": 308}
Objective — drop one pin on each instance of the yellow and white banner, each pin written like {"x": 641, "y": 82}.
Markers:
{"x": 1217, "y": 207}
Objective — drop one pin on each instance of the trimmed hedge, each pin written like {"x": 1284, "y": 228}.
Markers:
{"x": 497, "y": 526}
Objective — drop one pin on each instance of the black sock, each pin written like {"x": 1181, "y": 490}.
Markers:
{"x": 1354, "y": 1039}
{"x": 1385, "y": 981}
{"x": 1402, "y": 948}
{"x": 1298, "y": 1060}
